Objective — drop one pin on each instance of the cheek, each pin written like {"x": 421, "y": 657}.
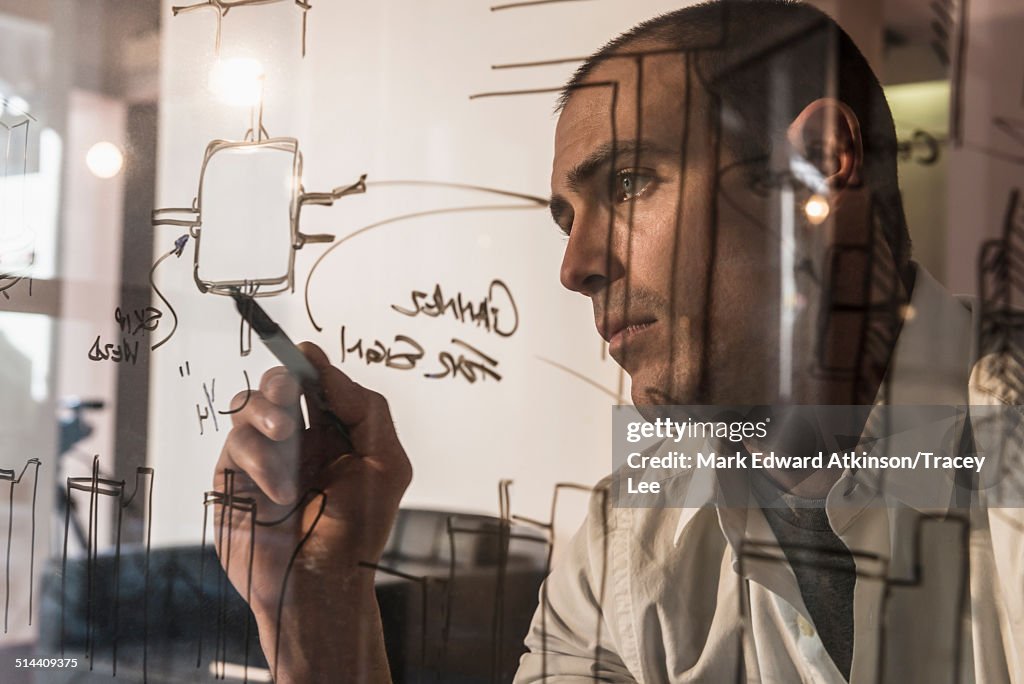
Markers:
{"x": 747, "y": 276}
{"x": 652, "y": 242}
{"x": 671, "y": 238}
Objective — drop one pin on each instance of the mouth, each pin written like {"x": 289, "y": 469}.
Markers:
{"x": 619, "y": 333}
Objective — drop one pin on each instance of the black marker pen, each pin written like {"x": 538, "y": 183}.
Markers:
{"x": 289, "y": 355}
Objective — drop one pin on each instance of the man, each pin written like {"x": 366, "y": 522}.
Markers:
{"x": 726, "y": 178}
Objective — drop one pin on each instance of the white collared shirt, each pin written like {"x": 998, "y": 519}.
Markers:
{"x": 697, "y": 592}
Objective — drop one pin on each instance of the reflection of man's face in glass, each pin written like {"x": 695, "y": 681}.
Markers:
{"x": 681, "y": 272}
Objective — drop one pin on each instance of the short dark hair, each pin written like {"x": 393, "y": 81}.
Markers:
{"x": 740, "y": 49}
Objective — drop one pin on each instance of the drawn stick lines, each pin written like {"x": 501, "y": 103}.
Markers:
{"x": 222, "y": 7}
{"x": 96, "y": 486}
{"x": 14, "y": 480}
{"x": 230, "y": 504}
{"x": 531, "y": 3}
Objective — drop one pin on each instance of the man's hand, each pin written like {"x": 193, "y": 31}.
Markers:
{"x": 329, "y": 510}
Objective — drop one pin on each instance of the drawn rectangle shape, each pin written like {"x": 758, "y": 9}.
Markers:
{"x": 16, "y": 238}
{"x": 248, "y": 201}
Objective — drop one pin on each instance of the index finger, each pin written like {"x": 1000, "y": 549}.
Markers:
{"x": 280, "y": 386}
{"x": 362, "y": 410}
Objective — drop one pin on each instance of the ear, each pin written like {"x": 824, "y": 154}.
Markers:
{"x": 827, "y": 134}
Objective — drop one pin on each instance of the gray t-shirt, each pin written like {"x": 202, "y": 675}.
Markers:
{"x": 823, "y": 565}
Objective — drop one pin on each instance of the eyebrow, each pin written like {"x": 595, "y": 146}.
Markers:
{"x": 608, "y": 152}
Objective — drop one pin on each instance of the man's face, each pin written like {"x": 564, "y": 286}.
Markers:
{"x": 673, "y": 254}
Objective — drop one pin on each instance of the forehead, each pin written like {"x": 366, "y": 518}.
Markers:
{"x": 643, "y": 95}
{"x": 628, "y": 97}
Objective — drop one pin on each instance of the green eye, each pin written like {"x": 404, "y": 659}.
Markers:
{"x": 630, "y": 184}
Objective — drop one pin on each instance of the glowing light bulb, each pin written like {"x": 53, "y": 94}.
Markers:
{"x": 237, "y": 81}
{"x": 817, "y": 210}
{"x": 104, "y": 159}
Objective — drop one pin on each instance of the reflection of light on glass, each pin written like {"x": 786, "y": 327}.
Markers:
{"x": 237, "y": 81}
{"x": 43, "y": 192}
{"x": 233, "y": 671}
{"x": 104, "y": 160}
{"x": 909, "y": 312}
{"x": 787, "y": 290}
{"x": 816, "y": 210}
{"x": 18, "y": 105}
{"x": 17, "y": 254}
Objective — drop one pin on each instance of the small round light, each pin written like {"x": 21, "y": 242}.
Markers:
{"x": 817, "y": 210}
{"x": 104, "y": 159}
{"x": 237, "y": 81}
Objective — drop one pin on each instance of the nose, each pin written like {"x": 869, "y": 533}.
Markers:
{"x": 591, "y": 261}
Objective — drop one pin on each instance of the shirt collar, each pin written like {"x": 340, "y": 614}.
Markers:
{"x": 930, "y": 366}
{"x": 928, "y": 380}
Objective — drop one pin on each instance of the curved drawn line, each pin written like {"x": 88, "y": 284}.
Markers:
{"x": 248, "y": 393}
{"x": 139, "y": 472}
{"x": 396, "y": 219}
{"x": 465, "y": 186}
{"x": 298, "y": 507}
{"x": 164, "y": 300}
{"x": 14, "y": 281}
{"x": 580, "y": 376}
{"x": 288, "y": 570}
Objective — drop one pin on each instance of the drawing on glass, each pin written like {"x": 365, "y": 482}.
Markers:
{"x": 101, "y": 593}
{"x": 253, "y": 184}
{"x": 17, "y": 240}
{"x": 222, "y": 7}
{"x": 15, "y": 478}
{"x": 237, "y": 523}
